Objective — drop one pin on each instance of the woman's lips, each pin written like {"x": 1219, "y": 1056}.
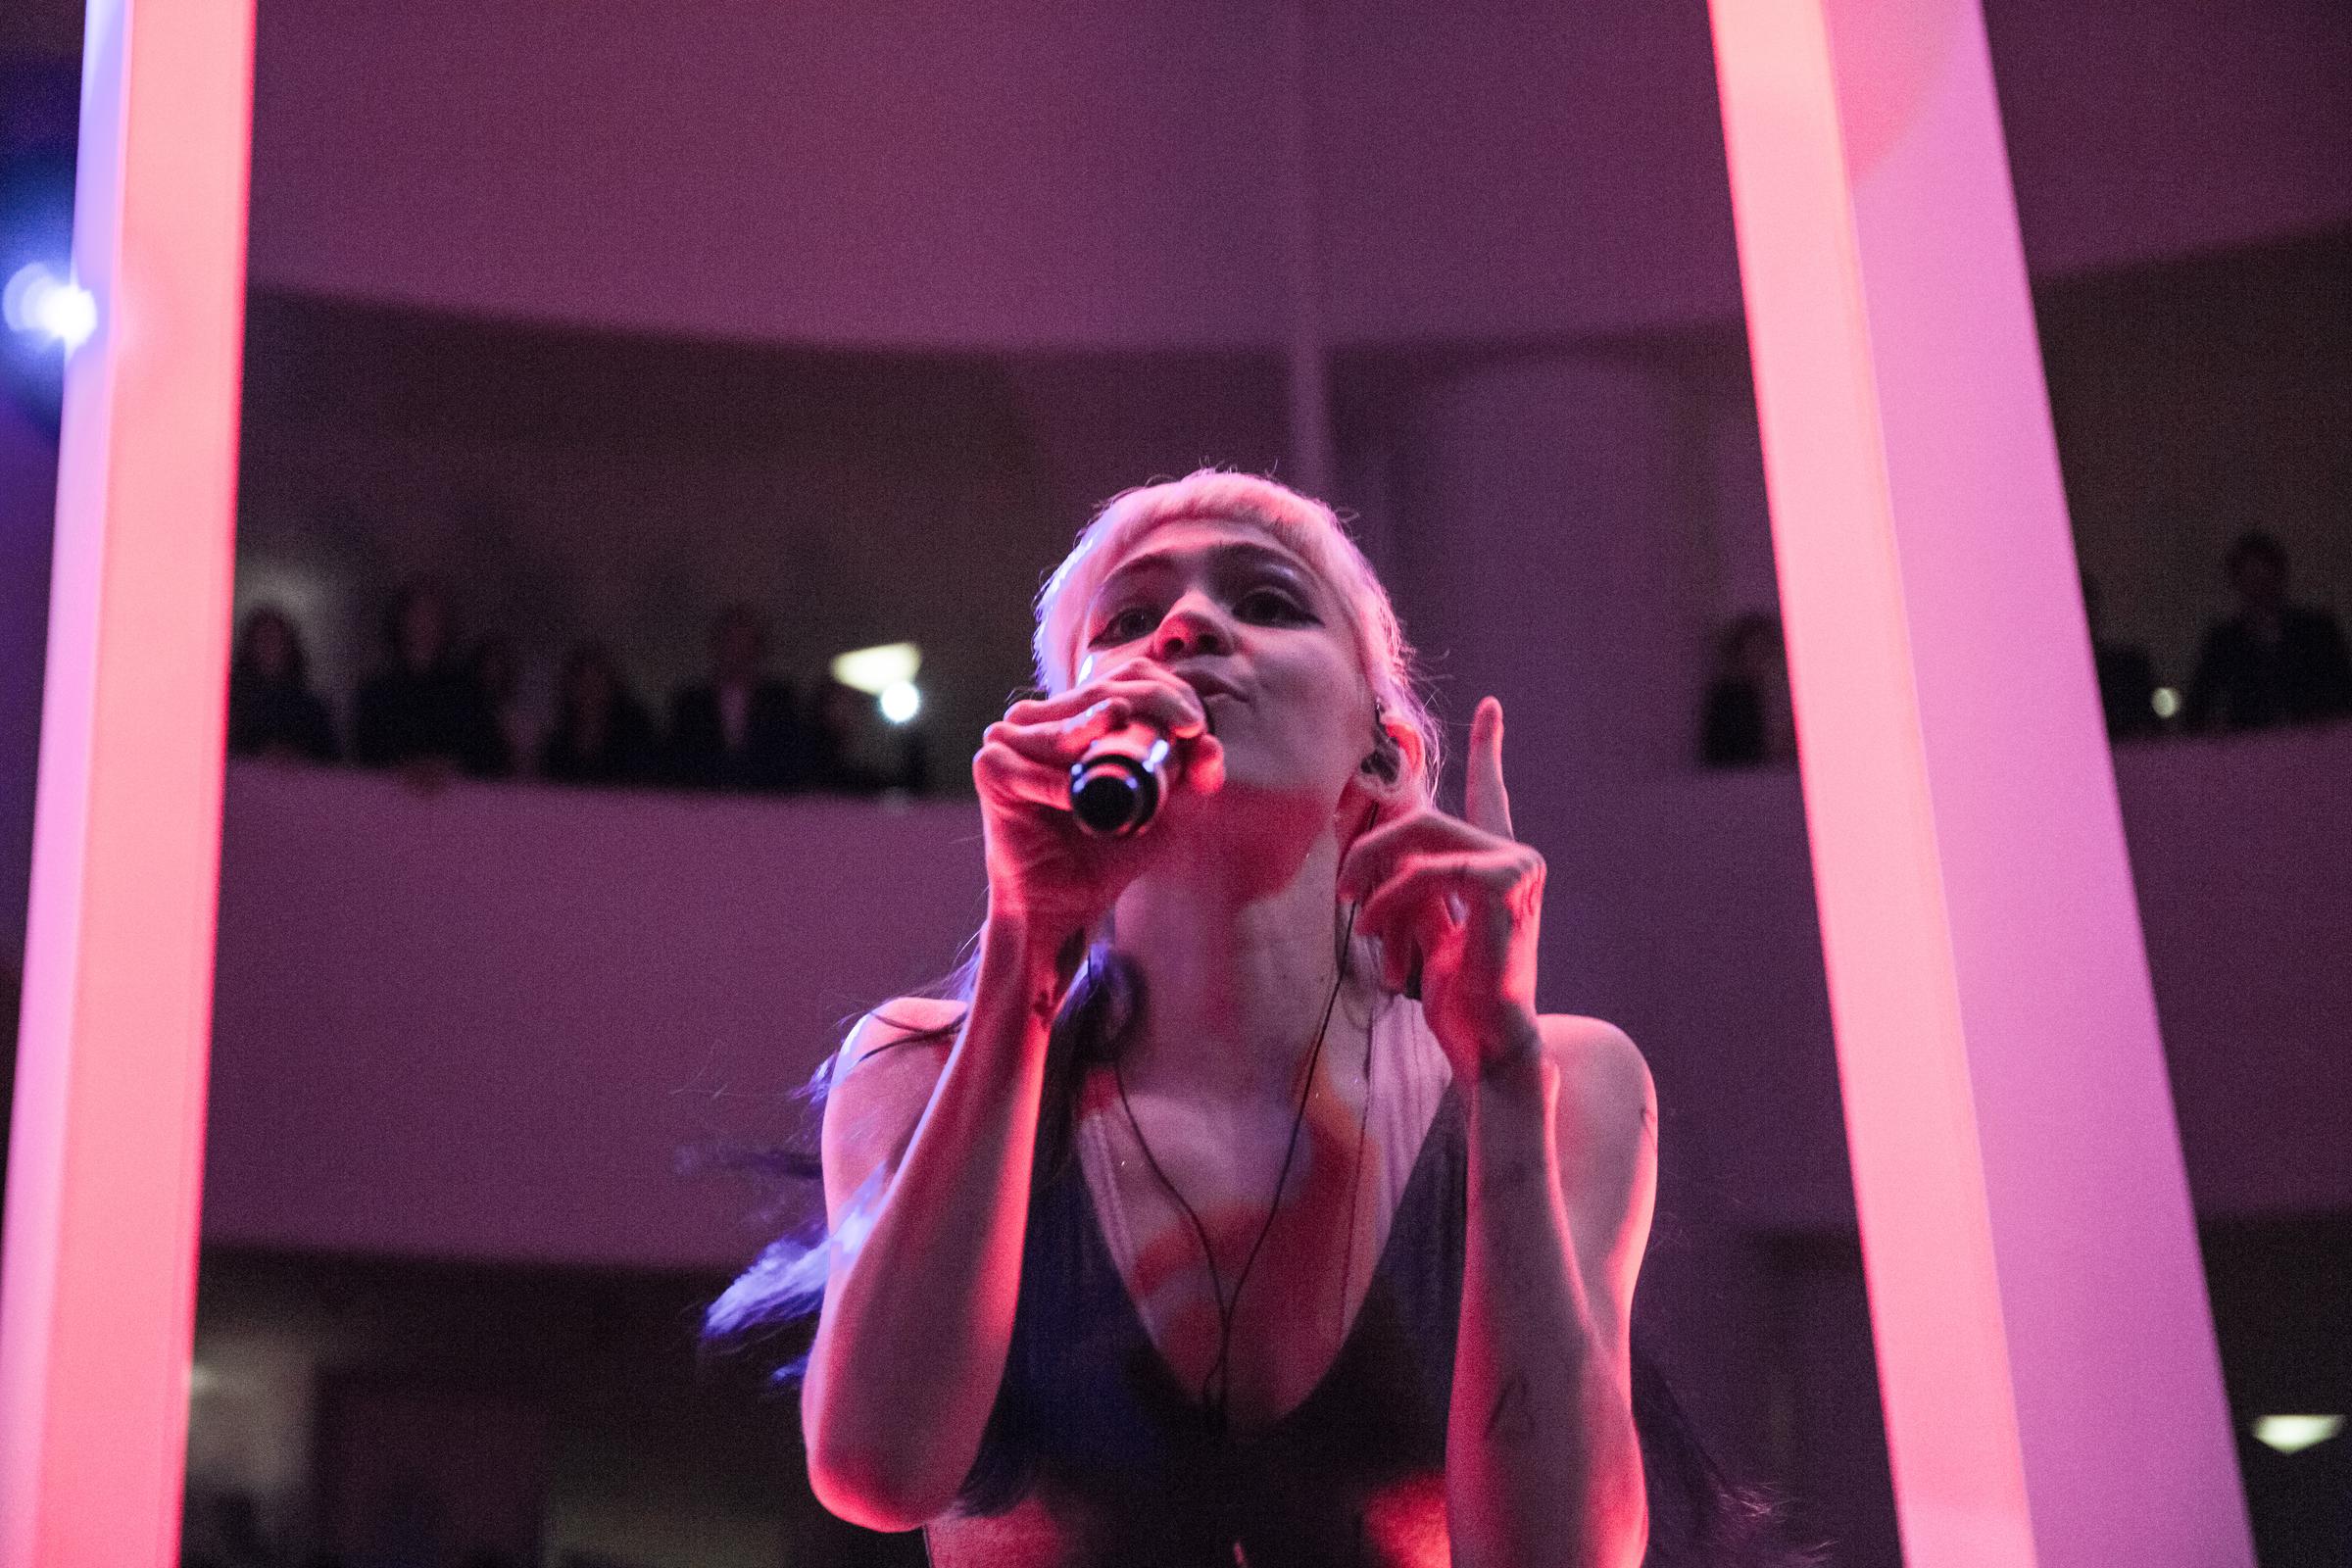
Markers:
{"x": 1209, "y": 706}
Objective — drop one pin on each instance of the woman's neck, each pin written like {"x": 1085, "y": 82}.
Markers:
{"x": 1236, "y": 972}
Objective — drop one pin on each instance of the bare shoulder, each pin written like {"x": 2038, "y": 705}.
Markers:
{"x": 902, "y": 1018}
{"x": 1605, "y": 1082}
{"x": 882, "y": 1080}
{"x": 1607, "y": 1126}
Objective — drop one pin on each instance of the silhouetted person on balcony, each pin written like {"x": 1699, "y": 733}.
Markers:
{"x": 421, "y": 712}
{"x": 1748, "y": 720}
{"x": 2126, "y": 675}
{"x": 497, "y": 676}
{"x": 601, "y": 734}
{"x": 739, "y": 730}
{"x": 2275, "y": 662}
{"x": 271, "y": 710}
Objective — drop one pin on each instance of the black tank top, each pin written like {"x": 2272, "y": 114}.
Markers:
{"x": 1097, "y": 1454}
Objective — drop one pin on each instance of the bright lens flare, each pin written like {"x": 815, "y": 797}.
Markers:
{"x": 900, "y": 702}
{"x": 874, "y": 670}
{"x": 37, "y": 301}
{"x": 2293, "y": 1433}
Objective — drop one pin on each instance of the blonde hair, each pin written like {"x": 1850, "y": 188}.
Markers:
{"x": 1305, "y": 526}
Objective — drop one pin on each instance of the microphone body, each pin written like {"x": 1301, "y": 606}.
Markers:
{"x": 1117, "y": 784}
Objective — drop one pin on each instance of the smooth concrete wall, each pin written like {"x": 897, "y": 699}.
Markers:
{"x": 1083, "y": 173}
{"x": 532, "y": 1023}
{"x": 514, "y": 1021}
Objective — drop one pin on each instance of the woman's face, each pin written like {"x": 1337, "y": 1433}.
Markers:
{"x": 1250, "y": 626}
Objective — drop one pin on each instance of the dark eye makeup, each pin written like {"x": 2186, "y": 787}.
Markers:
{"x": 1282, "y": 606}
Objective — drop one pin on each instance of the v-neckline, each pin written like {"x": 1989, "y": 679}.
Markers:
{"x": 1165, "y": 1369}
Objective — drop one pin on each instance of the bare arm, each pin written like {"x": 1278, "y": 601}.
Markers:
{"x": 927, "y": 1162}
{"x": 934, "y": 1158}
{"x": 1541, "y": 1462}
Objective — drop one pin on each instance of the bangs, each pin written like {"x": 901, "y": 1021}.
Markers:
{"x": 1306, "y": 528}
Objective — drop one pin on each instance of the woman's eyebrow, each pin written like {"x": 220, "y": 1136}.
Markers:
{"x": 1238, "y": 550}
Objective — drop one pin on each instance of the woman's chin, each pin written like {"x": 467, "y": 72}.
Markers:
{"x": 1264, "y": 817}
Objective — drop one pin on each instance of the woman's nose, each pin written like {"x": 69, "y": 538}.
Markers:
{"x": 1191, "y": 627}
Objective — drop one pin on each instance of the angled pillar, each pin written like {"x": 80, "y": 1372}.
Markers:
{"x": 2045, "y": 1348}
{"x": 97, "y": 1281}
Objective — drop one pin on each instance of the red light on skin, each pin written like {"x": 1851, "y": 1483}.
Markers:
{"x": 2016, "y": 1164}
{"x": 97, "y": 1284}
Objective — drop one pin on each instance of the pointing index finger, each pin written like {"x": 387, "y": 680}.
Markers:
{"x": 1485, "y": 801}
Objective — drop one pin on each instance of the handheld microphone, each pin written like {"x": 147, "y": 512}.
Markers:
{"x": 1116, "y": 785}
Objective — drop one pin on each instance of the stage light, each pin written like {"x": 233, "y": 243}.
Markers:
{"x": 37, "y": 302}
{"x": 900, "y": 702}
{"x": 874, "y": 670}
{"x": 2165, "y": 702}
{"x": 2293, "y": 1433}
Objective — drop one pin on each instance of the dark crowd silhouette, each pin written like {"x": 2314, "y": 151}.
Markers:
{"x": 2271, "y": 662}
{"x": 432, "y": 711}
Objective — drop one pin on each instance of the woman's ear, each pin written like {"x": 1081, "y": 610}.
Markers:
{"x": 1412, "y": 755}
{"x": 1387, "y": 776}
{"x": 1393, "y": 766}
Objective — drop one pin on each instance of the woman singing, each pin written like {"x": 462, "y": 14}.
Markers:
{"x": 1239, "y": 1206}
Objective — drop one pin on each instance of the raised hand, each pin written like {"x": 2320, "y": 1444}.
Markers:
{"x": 1466, "y": 900}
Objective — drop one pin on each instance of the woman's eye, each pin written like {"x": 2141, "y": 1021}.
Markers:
{"x": 1258, "y": 604}
{"x": 1111, "y": 630}
{"x": 1272, "y": 602}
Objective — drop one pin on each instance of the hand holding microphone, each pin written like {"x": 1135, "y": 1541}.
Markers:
{"x": 1067, "y": 781}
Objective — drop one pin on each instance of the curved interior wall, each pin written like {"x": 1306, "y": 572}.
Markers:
{"x": 1086, "y": 173}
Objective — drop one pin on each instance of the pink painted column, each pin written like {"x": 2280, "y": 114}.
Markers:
{"x": 2045, "y": 1348}
{"x": 97, "y": 1288}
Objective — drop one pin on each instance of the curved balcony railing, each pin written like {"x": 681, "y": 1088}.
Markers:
{"x": 532, "y": 1023}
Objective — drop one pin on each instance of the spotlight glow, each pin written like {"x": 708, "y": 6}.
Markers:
{"x": 2165, "y": 702}
{"x": 874, "y": 670}
{"x": 2293, "y": 1433}
{"x": 900, "y": 702}
{"x": 37, "y": 301}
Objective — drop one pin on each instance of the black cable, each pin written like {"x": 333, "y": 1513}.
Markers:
{"x": 1355, "y": 1174}
{"x": 1216, "y": 1384}
{"x": 1314, "y": 1056}
{"x": 1216, "y": 1287}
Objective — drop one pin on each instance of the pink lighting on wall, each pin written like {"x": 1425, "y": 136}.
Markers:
{"x": 97, "y": 1288}
{"x": 2034, "y": 1282}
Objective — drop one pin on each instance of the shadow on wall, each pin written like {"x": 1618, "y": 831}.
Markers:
{"x": 355, "y": 1411}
